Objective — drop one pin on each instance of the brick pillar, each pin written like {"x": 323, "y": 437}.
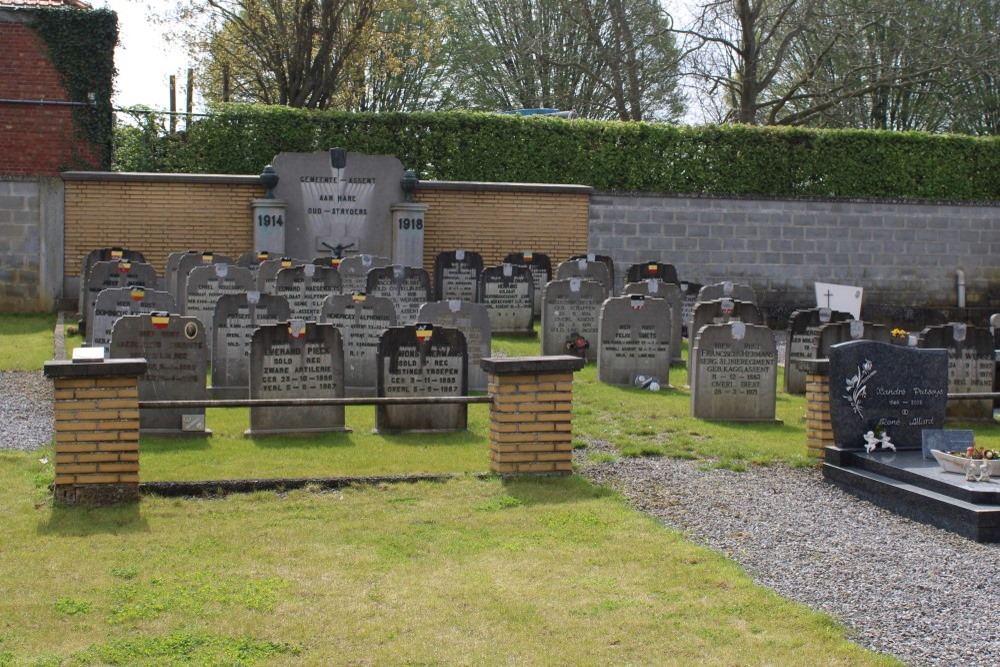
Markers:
{"x": 97, "y": 430}
{"x": 819, "y": 432}
{"x": 531, "y": 416}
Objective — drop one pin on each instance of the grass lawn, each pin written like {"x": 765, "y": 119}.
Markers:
{"x": 25, "y": 340}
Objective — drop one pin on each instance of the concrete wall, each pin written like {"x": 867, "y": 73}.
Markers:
{"x": 902, "y": 253}
{"x": 31, "y": 213}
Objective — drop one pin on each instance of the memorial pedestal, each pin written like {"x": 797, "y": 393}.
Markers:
{"x": 269, "y": 226}
{"x": 408, "y": 233}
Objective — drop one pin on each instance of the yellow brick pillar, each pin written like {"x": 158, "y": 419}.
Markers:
{"x": 97, "y": 430}
{"x": 531, "y": 415}
{"x": 819, "y": 432}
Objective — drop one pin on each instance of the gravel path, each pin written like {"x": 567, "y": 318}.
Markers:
{"x": 25, "y": 410}
{"x": 925, "y": 595}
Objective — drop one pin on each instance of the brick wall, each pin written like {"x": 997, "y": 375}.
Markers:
{"x": 902, "y": 253}
{"x": 35, "y": 139}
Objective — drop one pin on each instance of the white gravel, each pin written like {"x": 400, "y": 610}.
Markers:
{"x": 925, "y": 595}
{"x": 25, "y": 410}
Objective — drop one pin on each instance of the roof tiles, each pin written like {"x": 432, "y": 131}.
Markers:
{"x": 75, "y": 4}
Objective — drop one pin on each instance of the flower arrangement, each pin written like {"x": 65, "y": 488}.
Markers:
{"x": 978, "y": 453}
{"x": 900, "y": 333}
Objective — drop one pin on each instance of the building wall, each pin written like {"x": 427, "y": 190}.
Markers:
{"x": 30, "y": 243}
{"x": 902, "y": 253}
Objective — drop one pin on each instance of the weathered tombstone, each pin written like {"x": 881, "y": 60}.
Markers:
{"x": 571, "y": 311}
{"x": 736, "y": 370}
{"x": 120, "y": 301}
{"x": 189, "y": 262}
{"x": 689, "y": 299}
{"x": 330, "y": 207}
{"x": 540, "y": 265}
{"x": 873, "y": 386}
{"x": 473, "y": 320}
{"x": 205, "y": 284}
{"x": 306, "y": 287}
{"x": 607, "y": 260}
{"x": 651, "y": 271}
{"x": 252, "y": 260}
{"x": 803, "y": 331}
{"x": 634, "y": 337}
{"x": 408, "y": 288}
{"x": 508, "y": 292}
{"x": 267, "y": 272}
{"x": 422, "y": 360}
{"x": 176, "y": 350}
{"x": 103, "y": 255}
{"x": 971, "y": 366}
{"x": 727, "y": 290}
{"x": 720, "y": 311}
{"x": 234, "y": 321}
{"x": 582, "y": 268}
{"x": 296, "y": 359}
{"x": 115, "y": 274}
{"x": 456, "y": 276}
{"x": 331, "y": 262}
{"x": 361, "y": 320}
{"x": 946, "y": 441}
{"x": 173, "y": 264}
{"x": 354, "y": 271}
{"x": 848, "y": 330}
{"x": 670, "y": 293}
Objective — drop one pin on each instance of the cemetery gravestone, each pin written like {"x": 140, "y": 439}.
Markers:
{"x": 736, "y": 366}
{"x": 571, "y": 310}
{"x": 252, "y": 260}
{"x": 188, "y": 263}
{"x": 120, "y": 301}
{"x": 727, "y": 290}
{"x": 306, "y": 287}
{"x": 634, "y": 340}
{"x": 361, "y": 320}
{"x": 803, "y": 332}
{"x": 205, "y": 284}
{"x": 670, "y": 293}
{"x": 176, "y": 350}
{"x": 354, "y": 271}
{"x": 473, "y": 320}
{"x": 456, "y": 276}
{"x": 581, "y": 268}
{"x": 296, "y": 359}
{"x": 874, "y": 385}
{"x": 422, "y": 360}
{"x": 103, "y": 255}
{"x": 115, "y": 274}
{"x": 971, "y": 366}
{"x": 608, "y": 261}
{"x": 651, "y": 271}
{"x": 946, "y": 441}
{"x": 173, "y": 265}
{"x": 689, "y": 299}
{"x": 267, "y": 272}
{"x": 540, "y": 266}
{"x": 408, "y": 289}
{"x": 508, "y": 291}
{"x": 720, "y": 311}
{"x": 234, "y": 321}
{"x": 848, "y": 330}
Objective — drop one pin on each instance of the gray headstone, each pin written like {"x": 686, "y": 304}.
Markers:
{"x": 634, "y": 337}
{"x": 803, "y": 339}
{"x": 846, "y": 331}
{"x": 583, "y": 268}
{"x": 902, "y": 388}
{"x": 354, "y": 271}
{"x": 408, "y": 288}
{"x": 571, "y": 311}
{"x": 607, "y": 260}
{"x": 234, "y": 321}
{"x": 120, "y": 301}
{"x": 177, "y": 351}
{"x": 971, "y": 366}
{"x": 508, "y": 292}
{"x": 946, "y": 441}
{"x": 205, "y": 284}
{"x": 720, "y": 311}
{"x": 188, "y": 263}
{"x": 689, "y": 299}
{"x": 115, "y": 274}
{"x": 328, "y": 207}
{"x": 422, "y": 360}
{"x": 252, "y": 260}
{"x": 727, "y": 290}
{"x": 102, "y": 255}
{"x": 296, "y": 359}
{"x": 267, "y": 272}
{"x": 540, "y": 266}
{"x": 173, "y": 264}
{"x": 670, "y": 293}
{"x": 306, "y": 287}
{"x": 651, "y": 271}
{"x": 456, "y": 276}
{"x": 473, "y": 320}
{"x": 735, "y": 367}
{"x": 361, "y": 320}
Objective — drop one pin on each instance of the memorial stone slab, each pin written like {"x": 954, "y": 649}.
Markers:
{"x": 874, "y": 385}
{"x": 846, "y": 331}
{"x": 670, "y": 293}
{"x": 422, "y": 360}
{"x": 354, "y": 271}
{"x": 582, "y": 268}
{"x": 540, "y": 265}
{"x": 115, "y": 274}
{"x": 205, "y": 284}
{"x": 727, "y": 290}
{"x": 971, "y": 366}
{"x": 176, "y": 350}
{"x": 634, "y": 335}
{"x": 508, "y": 292}
{"x": 736, "y": 366}
{"x": 651, "y": 271}
{"x": 296, "y": 359}
{"x": 361, "y": 320}
{"x": 173, "y": 264}
{"x": 234, "y": 321}
{"x": 120, "y": 301}
{"x": 607, "y": 260}
{"x": 689, "y": 299}
{"x": 306, "y": 287}
{"x": 946, "y": 441}
{"x": 252, "y": 260}
{"x": 188, "y": 263}
{"x": 456, "y": 276}
{"x": 571, "y": 310}
{"x": 267, "y": 272}
{"x": 473, "y": 320}
{"x": 330, "y": 207}
{"x": 803, "y": 339}
{"x": 720, "y": 311}
{"x": 103, "y": 255}
{"x": 407, "y": 287}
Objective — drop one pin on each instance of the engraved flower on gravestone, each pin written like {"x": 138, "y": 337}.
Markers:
{"x": 856, "y": 385}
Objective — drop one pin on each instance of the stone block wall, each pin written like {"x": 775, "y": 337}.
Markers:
{"x": 30, "y": 243}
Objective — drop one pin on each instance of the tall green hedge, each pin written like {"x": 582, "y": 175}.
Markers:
{"x": 461, "y": 146}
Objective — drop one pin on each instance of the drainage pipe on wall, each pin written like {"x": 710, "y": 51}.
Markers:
{"x": 960, "y": 280}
